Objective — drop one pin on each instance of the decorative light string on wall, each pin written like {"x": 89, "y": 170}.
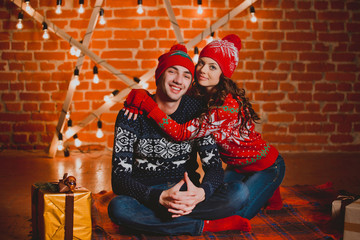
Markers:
{"x": 81, "y": 6}
{"x": 210, "y": 38}
{"x": 58, "y": 7}
{"x": 60, "y": 146}
{"x": 20, "y": 25}
{"x": 45, "y": 29}
{"x": 99, "y": 132}
{"x": 139, "y": 9}
{"x": 69, "y": 131}
{"x": 96, "y": 77}
{"x": 77, "y": 140}
{"x": 76, "y": 80}
{"x": 107, "y": 98}
{"x": 252, "y": 14}
{"x": 199, "y": 9}
{"x": 28, "y": 7}
{"x": 196, "y": 55}
{"x": 102, "y": 19}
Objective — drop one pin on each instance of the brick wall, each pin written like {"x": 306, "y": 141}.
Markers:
{"x": 299, "y": 65}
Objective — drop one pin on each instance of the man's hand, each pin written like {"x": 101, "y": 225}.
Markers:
{"x": 181, "y": 203}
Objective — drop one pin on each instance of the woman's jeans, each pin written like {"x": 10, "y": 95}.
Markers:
{"x": 261, "y": 185}
{"x": 226, "y": 200}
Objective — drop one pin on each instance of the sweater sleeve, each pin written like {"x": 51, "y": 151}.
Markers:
{"x": 214, "y": 121}
{"x": 211, "y": 164}
{"x": 122, "y": 163}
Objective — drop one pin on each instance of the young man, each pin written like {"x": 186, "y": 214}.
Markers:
{"x": 155, "y": 178}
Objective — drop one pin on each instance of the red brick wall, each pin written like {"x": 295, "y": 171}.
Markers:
{"x": 299, "y": 65}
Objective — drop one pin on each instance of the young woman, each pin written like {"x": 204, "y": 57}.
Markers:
{"x": 230, "y": 118}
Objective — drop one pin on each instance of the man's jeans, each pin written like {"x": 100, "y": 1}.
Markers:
{"x": 261, "y": 186}
{"x": 225, "y": 201}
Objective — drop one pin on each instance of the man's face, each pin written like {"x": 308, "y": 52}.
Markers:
{"x": 174, "y": 83}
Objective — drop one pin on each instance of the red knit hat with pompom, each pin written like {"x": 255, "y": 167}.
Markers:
{"x": 225, "y": 52}
{"x": 176, "y": 56}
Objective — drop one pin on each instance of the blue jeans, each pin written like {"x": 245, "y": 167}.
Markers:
{"x": 226, "y": 200}
{"x": 261, "y": 185}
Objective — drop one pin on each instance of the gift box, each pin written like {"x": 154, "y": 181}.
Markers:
{"x": 338, "y": 210}
{"x": 58, "y": 215}
{"x": 352, "y": 221}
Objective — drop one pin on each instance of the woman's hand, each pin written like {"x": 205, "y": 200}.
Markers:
{"x": 137, "y": 102}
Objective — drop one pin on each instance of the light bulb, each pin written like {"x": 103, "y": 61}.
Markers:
{"x": 144, "y": 84}
{"x": 58, "y": 9}
{"x": 99, "y": 133}
{"x": 67, "y": 116}
{"x": 19, "y": 25}
{"x": 69, "y": 132}
{"x": 209, "y": 40}
{"x": 107, "y": 98}
{"x": 77, "y": 52}
{"x": 199, "y": 10}
{"x": 73, "y": 50}
{"x": 46, "y": 35}
{"x": 252, "y": 14}
{"x": 81, "y": 7}
{"x": 96, "y": 79}
{"x": 196, "y": 55}
{"x": 60, "y": 145}
{"x": 27, "y": 8}
{"x": 76, "y": 77}
{"x": 139, "y": 10}
{"x": 77, "y": 142}
{"x": 102, "y": 19}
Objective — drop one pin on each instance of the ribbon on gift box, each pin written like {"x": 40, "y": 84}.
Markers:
{"x": 67, "y": 185}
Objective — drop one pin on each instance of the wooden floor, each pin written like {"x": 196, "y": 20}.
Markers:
{"x": 20, "y": 169}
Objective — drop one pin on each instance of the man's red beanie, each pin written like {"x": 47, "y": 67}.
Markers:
{"x": 225, "y": 52}
{"x": 176, "y": 56}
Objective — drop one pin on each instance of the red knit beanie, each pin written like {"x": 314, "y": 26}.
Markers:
{"x": 225, "y": 52}
{"x": 176, "y": 56}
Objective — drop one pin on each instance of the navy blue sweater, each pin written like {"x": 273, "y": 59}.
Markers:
{"x": 144, "y": 156}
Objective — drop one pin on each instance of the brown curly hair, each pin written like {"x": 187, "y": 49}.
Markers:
{"x": 217, "y": 95}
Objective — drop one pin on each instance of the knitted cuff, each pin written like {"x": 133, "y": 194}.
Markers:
{"x": 148, "y": 104}
{"x": 157, "y": 115}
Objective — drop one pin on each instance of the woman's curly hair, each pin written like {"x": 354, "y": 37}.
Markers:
{"x": 217, "y": 97}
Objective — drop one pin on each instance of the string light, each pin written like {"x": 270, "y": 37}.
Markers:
{"x": 81, "y": 7}
{"x": 28, "y": 7}
{"x": 102, "y": 19}
{"x": 60, "y": 146}
{"x": 45, "y": 28}
{"x": 76, "y": 77}
{"x": 19, "y": 25}
{"x": 99, "y": 132}
{"x": 199, "y": 10}
{"x": 96, "y": 77}
{"x": 196, "y": 55}
{"x": 252, "y": 14}
{"x": 67, "y": 116}
{"x": 211, "y": 38}
{"x": 77, "y": 140}
{"x": 69, "y": 131}
{"x": 58, "y": 7}
{"x": 107, "y": 98}
{"x": 139, "y": 9}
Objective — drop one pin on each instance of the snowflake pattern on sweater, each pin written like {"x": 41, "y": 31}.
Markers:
{"x": 243, "y": 148}
{"x": 143, "y": 156}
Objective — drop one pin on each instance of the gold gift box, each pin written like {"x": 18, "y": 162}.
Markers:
{"x": 48, "y": 213}
{"x": 352, "y": 221}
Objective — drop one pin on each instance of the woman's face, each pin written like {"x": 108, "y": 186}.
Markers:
{"x": 208, "y": 73}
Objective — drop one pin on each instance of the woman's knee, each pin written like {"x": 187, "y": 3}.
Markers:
{"x": 240, "y": 193}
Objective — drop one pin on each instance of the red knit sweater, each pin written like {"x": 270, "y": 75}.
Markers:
{"x": 247, "y": 151}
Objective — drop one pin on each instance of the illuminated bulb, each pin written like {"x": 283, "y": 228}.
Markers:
{"x": 67, "y": 116}
{"x": 69, "y": 131}
{"x": 252, "y": 14}
{"x": 58, "y": 7}
{"x": 199, "y": 10}
{"x": 144, "y": 84}
{"x": 102, "y": 19}
{"x": 139, "y": 10}
{"x": 77, "y": 52}
{"x": 96, "y": 77}
{"x": 99, "y": 132}
{"x": 60, "y": 146}
{"x": 19, "y": 25}
{"x": 73, "y": 50}
{"x": 211, "y": 38}
{"x": 81, "y": 8}
{"x": 45, "y": 28}
{"x": 196, "y": 56}
{"x": 27, "y": 8}
{"x": 107, "y": 98}
{"x": 76, "y": 77}
{"x": 77, "y": 141}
